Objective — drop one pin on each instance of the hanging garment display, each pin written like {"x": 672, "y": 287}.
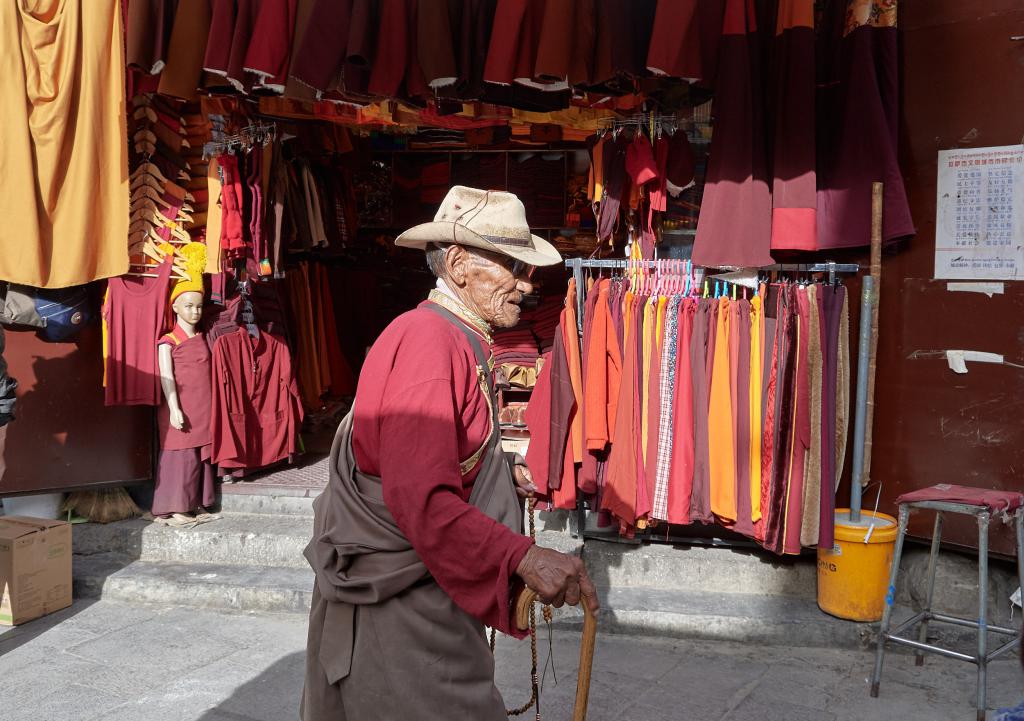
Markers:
{"x": 735, "y": 214}
{"x": 65, "y": 141}
{"x": 256, "y": 409}
{"x": 134, "y": 316}
{"x": 859, "y": 128}
{"x": 794, "y": 201}
{"x": 519, "y": 53}
{"x": 717, "y": 418}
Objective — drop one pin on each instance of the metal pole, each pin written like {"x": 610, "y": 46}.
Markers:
{"x": 860, "y": 422}
{"x": 983, "y": 521}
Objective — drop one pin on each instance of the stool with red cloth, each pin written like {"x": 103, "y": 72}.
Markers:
{"x": 984, "y": 504}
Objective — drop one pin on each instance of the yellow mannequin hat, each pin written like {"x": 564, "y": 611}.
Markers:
{"x": 195, "y": 263}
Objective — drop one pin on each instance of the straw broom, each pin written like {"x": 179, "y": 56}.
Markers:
{"x": 101, "y": 506}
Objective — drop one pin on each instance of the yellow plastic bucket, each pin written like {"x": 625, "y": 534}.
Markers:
{"x": 853, "y": 576}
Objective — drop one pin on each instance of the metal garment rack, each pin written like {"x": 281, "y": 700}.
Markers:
{"x": 576, "y": 265}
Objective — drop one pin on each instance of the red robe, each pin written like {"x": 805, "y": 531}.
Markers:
{"x": 256, "y": 411}
{"x": 420, "y": 412}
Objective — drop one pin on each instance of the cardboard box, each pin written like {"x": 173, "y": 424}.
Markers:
{"x": 35, "y": 568}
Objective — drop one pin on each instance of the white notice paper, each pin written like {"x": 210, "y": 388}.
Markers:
{"x": 979, "y": 215}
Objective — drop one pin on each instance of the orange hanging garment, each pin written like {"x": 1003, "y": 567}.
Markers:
{"x": 604, "y": 372}
{"x": 619, "y": 496}
{"x": 64, "y": 155}
{"x": 721, "y": 440}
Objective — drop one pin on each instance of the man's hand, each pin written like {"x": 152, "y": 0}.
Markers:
{"x": 557, "y": 578}
{"x": 524, "y": 482}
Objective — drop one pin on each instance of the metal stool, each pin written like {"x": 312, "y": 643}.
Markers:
{"x": 952, "y": 499}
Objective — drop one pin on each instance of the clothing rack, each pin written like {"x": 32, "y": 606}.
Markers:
{"x": 259, "y": 133}
{"x": 651, "y": 122}
{"x": 577, "y": 521}
{"x": 576, "y": 265}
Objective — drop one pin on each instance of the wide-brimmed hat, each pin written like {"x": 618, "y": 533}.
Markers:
{"x": 488, "y": 219}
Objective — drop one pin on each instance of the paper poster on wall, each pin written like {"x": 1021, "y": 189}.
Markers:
{"x": 979, "y": 216}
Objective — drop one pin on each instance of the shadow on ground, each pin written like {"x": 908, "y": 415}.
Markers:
{"x": 272, "y": 696}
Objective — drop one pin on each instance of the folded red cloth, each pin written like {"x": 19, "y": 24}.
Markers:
{"x": 993, "y": 500}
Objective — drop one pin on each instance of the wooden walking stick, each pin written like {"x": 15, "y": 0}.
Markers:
{"x": 876, "y": 274}
{"x": 524, "y": 605}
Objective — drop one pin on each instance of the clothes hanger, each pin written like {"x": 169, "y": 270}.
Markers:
{"x": 144, "y": 111}
{"x": 178, "y": 231}
{"x": 149, "y": 168}
{"x": 156, "y": 253}
{"x": 177, "y": 234}
{"x": 144, "y": 135}
{"x": 147, "y": 191}
{"x": 143, "y": 207}
{"x": 148, "y": 180}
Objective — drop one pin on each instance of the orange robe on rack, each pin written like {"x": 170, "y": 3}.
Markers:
{"x": 604, "y": 373}
{"x": 619, "y": 496}
{"x": 721, "y": 440}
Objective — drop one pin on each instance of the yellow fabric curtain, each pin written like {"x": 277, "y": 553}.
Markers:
{"x": 64, "y": 153}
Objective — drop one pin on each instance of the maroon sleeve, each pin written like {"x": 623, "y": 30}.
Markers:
{"x": 471, "y": 556}
{"x": 319, "y": 57}
{"x": 270, "y": 45}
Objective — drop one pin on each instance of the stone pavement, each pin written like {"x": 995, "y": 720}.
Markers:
{"x": 110, "y": 661}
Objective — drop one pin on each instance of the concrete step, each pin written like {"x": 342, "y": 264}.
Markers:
{"x": 235, "y": 539}
{"x": 746, "y": 618}
{"x": 201, "y": 585}
{"x": 700, "y": 569}
{"x": 246, "y": 539}
{"x": 715, "y": 617}
{"x": 267, "y": 503}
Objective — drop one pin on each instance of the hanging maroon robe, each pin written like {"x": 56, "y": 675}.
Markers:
{"x": 734, "y": 228}
{"x": 794, "y": 187}
{"x": 858, "y": 130}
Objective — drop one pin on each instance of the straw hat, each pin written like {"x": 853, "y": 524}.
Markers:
{"x": 487, "y": 219}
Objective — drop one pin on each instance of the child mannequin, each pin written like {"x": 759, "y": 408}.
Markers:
{"x": 185, "y": 479}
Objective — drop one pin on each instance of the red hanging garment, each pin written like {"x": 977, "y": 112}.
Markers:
{"x": 256, "y": 412}
{"x": 134, "y": 316}
{"x": 859, "y": 129}
{"x": 734, "y": 228}
{"x": 794, "y": 183}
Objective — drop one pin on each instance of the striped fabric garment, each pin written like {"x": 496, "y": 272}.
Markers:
{"x": 659, "y": 510}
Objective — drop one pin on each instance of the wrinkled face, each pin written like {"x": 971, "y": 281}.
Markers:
{"x": 189, "y": 307}
{"x": 492, "y": 285}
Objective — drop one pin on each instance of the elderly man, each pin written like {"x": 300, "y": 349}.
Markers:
{"x": 418, "y": 537}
